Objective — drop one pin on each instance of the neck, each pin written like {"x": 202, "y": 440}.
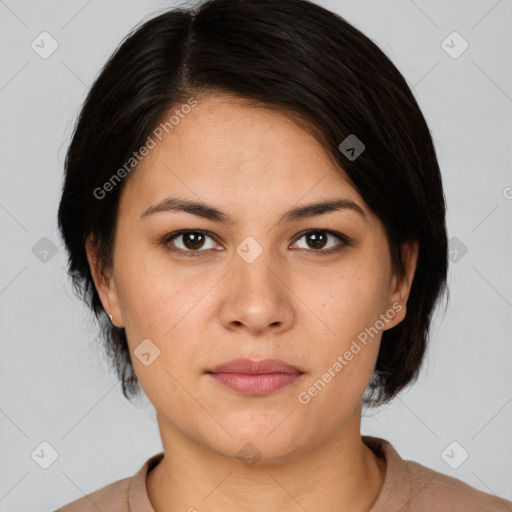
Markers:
{"x": 342, "y": 474}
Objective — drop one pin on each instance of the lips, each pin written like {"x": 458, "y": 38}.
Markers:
{"x": 251, "y": 367}
{"x": 255, "y": 378}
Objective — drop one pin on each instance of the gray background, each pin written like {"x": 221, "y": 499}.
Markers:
{"x": 54, "y": 383}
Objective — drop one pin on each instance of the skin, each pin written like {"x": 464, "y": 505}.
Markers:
{"x": 291, "y": 303}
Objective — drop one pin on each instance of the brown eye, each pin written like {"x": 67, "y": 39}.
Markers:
{"x": 191, "y": 241}
{"x": 318, "y": 241}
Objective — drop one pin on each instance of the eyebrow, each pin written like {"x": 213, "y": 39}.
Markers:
{"x": 174, "y": 204}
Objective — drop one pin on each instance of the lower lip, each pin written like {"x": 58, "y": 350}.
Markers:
{"x": 255, "y": 384}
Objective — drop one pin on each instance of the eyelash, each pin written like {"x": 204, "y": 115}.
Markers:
{"x": 170, "y": 237}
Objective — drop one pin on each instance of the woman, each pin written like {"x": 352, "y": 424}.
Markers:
{"x": 253, "y": 199}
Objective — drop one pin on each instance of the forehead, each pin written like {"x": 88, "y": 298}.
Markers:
{"x": 244, "y": 155}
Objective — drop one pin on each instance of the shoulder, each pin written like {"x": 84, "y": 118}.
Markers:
{"x": 111, "y": 498}
{"x": 124, "y": 495}
{"x": 412, "y": 487}
{"x": 433, "y": 491}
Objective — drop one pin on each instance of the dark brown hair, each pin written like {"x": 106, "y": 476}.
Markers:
{"x": 300, "y": 58}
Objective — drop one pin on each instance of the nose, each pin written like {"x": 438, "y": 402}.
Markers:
{"x": 257, "y": 298}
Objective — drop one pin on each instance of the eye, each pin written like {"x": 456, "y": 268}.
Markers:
{"x": 318, "y": 239}
{"x": 192, "y": 241}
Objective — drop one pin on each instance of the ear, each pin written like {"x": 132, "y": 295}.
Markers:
{"x": 104, "y": 283}
{"x": 401, "y": 284}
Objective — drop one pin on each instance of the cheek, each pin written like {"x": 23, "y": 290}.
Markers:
{"x": 348, "y": 335}
{"x": 159, "y": 304}
{"x": 152, "y": 296}
{"x": 350, "y": 300}
{"x": 344, "y": 355}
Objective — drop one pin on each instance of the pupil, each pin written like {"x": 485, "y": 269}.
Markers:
{"x": 315, "y": 238}
{"x": 190, "y": 237}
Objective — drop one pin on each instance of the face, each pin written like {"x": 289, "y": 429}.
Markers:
{"x": 314, "y": 291}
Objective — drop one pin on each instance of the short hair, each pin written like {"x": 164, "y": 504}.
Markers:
{"x": 301, "y": 59}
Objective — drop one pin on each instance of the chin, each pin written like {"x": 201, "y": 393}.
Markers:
{"x": 263, "y": 441}
{"x": 258, "y": 452}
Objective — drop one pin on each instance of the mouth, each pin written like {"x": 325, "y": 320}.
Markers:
{"x": 255, "y": 378}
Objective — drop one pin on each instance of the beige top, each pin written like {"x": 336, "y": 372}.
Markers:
{"x": 408, "y": 487}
